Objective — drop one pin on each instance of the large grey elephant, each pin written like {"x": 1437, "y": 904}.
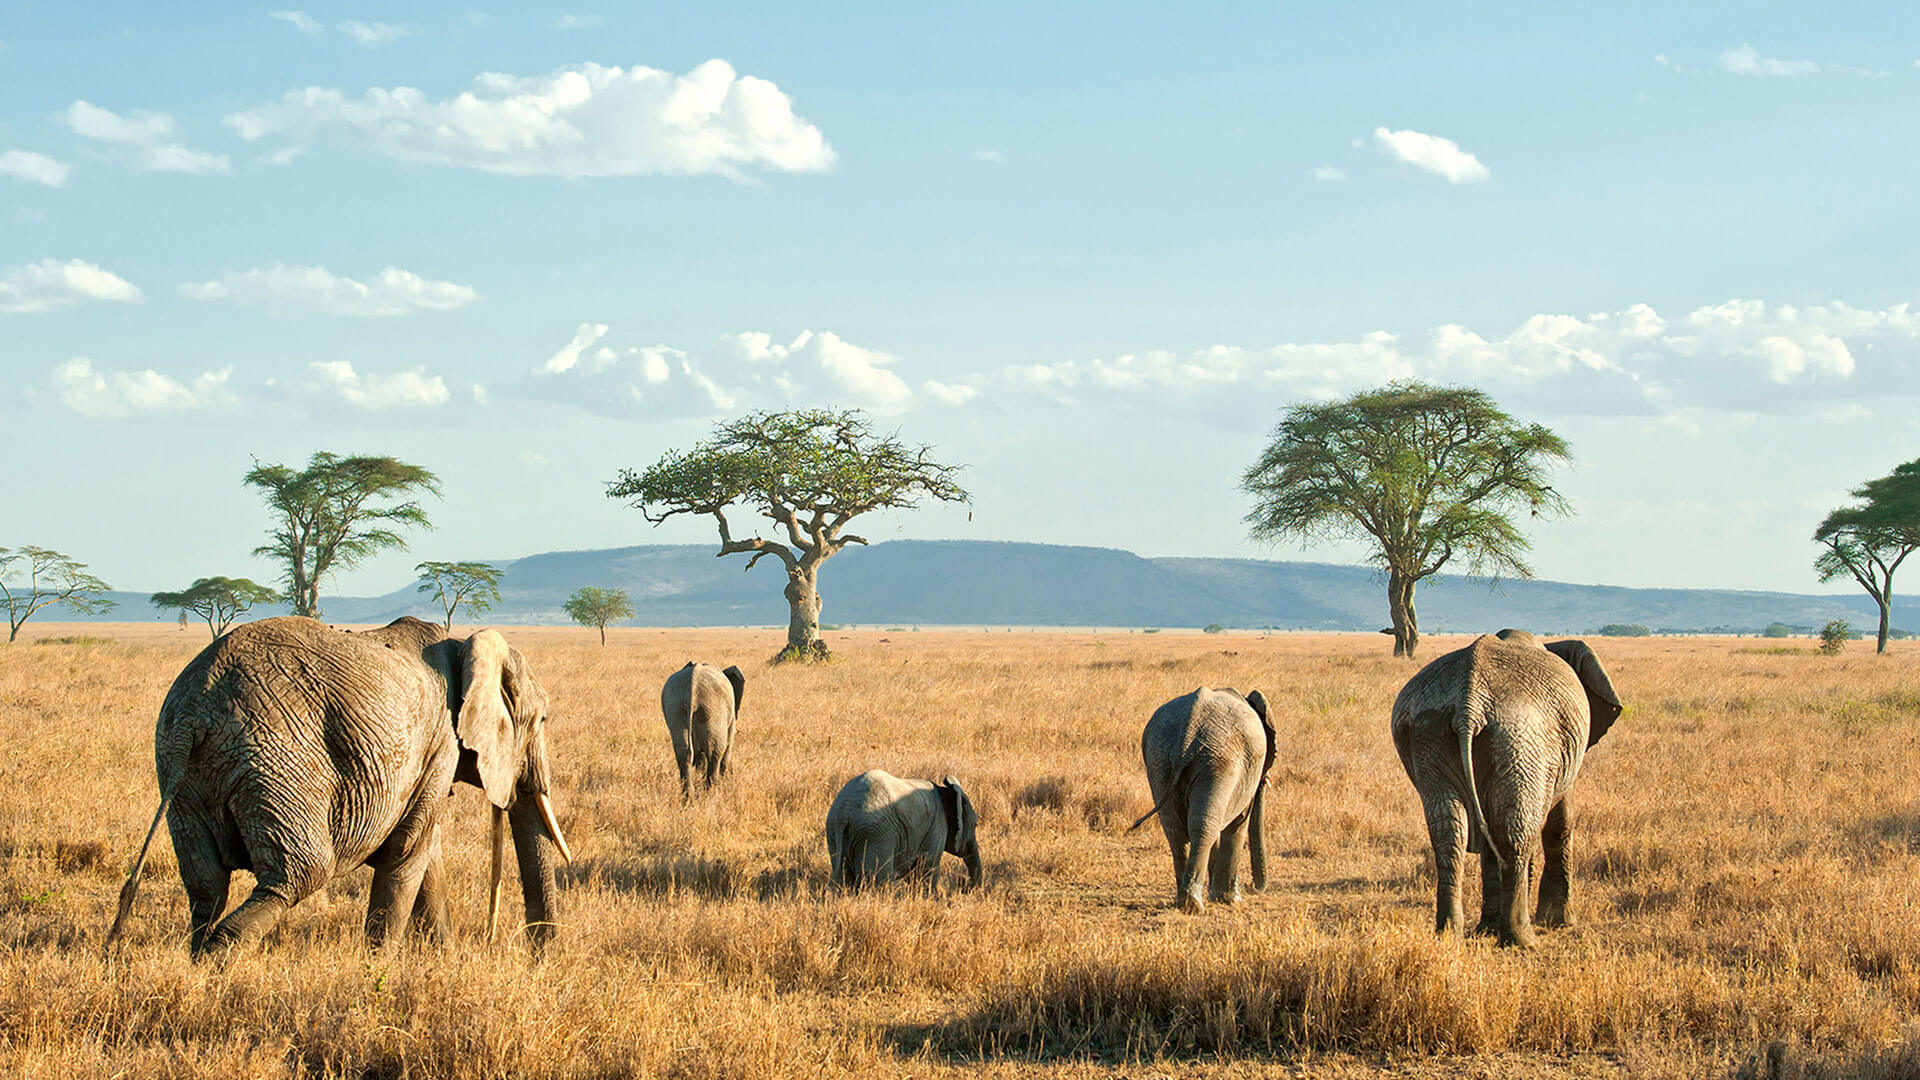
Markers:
{"x": 1493, "y": 735}
{"x": 882, "y": 828}
{"x": 701, "y": 704}
{"x": 1207, "y": 755}
{"x": 299, "y": 753}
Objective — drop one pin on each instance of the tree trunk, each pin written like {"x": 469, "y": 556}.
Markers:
{"x": 1406, "y": 626}
{"x": 803, "y": 620}
{"x": 603, "y": 635}
{"x": 1886, "y": 614}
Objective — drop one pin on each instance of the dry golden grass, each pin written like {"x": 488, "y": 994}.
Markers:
{"x": 1748, "y": 848}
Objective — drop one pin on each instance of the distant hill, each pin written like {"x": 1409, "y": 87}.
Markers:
{"x": 972, "y": 582}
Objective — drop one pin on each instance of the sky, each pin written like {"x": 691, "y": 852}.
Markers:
{"x": 1091, "y": 251}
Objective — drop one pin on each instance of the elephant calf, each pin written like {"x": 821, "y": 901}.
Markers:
{"x": 1207, "y": 755}
{"x": 1492, "y": 736}
{"x": 701, "y": 704}
{"x": 882, "y": 828}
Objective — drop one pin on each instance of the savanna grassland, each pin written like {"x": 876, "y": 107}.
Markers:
{"x": 1745, "y": 864}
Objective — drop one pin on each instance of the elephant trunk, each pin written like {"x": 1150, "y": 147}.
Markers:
{"x": 1257, "y": 834}
{"x": 975, "y": 874}
{"x": 534, "y": 849}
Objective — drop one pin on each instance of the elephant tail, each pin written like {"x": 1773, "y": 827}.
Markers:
{"x": 1463, "y": 727}
{"x": 1156, "y": 808}
{"x": 132, "y": 886}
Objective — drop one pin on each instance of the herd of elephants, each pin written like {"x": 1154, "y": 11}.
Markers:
{"x": 299, "y": 752}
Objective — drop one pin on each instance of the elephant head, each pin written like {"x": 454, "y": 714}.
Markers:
{"x": 500, "y": 719}
{"x": 1602, "y": 702}
{"x": 962, "y": 828}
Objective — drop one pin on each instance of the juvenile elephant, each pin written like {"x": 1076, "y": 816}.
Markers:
{"x": 882, "y": 828}
{"x": 1207, "y": 755}
{"x": 701, "y": 704}
{"x": 299, "y": 753}
{"x": 1492, "y": 736}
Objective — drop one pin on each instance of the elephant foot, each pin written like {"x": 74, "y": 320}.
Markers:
{"x": 1521, "y": 937}
{"x": 1553, "y": 916}
{"x": 1191, "y": 903}
{"x": 1231, "y": 899}
{"x": 1485, "y": 928}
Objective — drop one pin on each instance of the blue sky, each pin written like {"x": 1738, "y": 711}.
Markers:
{"x": 1092, "y": 251}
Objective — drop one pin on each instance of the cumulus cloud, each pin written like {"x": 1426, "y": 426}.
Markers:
{"x": 1746, "y": 60}
{"x": 1329, "y": 172}
{"x": 1442, "y": 157}
{"x": 391, "y": 292}
{"x": 1743, "y": 354}
{"x": 143, "y": 138}
{"x": 585, "y": 120}
{"x": 101, "y": 394}
{"x": 739, "y": 371}
{"x": 33, "y": 168}
{"x": 300, "y": 21}
{"x": 410, "y": 389}
{"x": 370, "y": 35}
{"x": 51, "y": 283}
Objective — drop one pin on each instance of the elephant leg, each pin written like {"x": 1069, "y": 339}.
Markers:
{"x": 206, "y": 881}
{"x": 1447, "y": 829}
{"x": 1176, "y": 843}
{"x": 1223, "y": 885}
{"x": 391, "y": 899}
{"x": 713, "y": 768}
{"x": 682, "y": 757}
{"x": 1516, "y": 928}
{"x": 1554, "y": 885}
{"x": 247, "y": 923}
{"x": 430, "y": 915}
{"x": 1492, "y": 895}
{"x": 1199, "y": 860}
{"x": 876, "y": 863}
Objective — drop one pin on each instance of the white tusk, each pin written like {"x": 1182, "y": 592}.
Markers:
{"x": 499, "y": 857}
{"x": 553, "y": 827}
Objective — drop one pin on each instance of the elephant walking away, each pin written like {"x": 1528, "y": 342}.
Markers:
{"x": 1207, "y": 756}
{"x": 701, "y": 704}
{"x": 1492, "y": 737}
{"x": 882, "y": 828}
{"x": 299, "y": 753}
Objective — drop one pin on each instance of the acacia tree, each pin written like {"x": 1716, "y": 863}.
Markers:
{"x": 1870, "y": 540}
{"x": 1429, "y": 473}
{"x": 473, "y": 585}
{"x": 594, "y": 606}
{"x": 218, "y": 600}
{"x": 334, "y": 513}
{"x": 33, "y": 577}
{"x": 811, "y": 471}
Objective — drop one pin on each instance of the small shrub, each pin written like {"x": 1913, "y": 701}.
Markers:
{"x": 1778, "y": 629}
{"x": 1212, "y": 628}
{"x": 1834, "y": 636}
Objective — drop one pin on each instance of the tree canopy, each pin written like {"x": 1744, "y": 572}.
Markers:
{"x": 810, "y": 472}
{"x": 33, "y": 577}
{"x": 594, "y": 606}
{"x": 1870, "y": 539}
{"x": 334, "y": 513}
{"x": 1429, "y": 474}
{"x": 473, "y": 585}
{"x": 218, "y": 600}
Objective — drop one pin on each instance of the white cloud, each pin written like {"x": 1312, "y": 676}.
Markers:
{"x": 990, "y": 157}
{"x": 146, "y": 138}
{"x": 569, "y": 354}
{"x": 34, "y": 168}
{"x": 391, "y": 292}
{"x": 301, "y": 21}
{"x": 1442, "y": 157}
{"x": 410, "y": 389}
{"x": 371, "y": 35}
{"x": 1329, "y": 172}
{"x": 119, "y": 394}
{"x": 51, "y": 283}
{"x": 949, "y": 393}
{"x": 577, "y": 22}
{"x": 585, "y": 120}
{"x": 1745, "y": 60}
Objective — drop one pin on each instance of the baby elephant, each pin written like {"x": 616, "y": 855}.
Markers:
{"x": 1207, "y": 755}
{"x": 883, "y": 828}
{"x": 701, "y": 703}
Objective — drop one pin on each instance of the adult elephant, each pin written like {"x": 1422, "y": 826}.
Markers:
{"x": 299, "y": 753}
{"x": 883, "y": 828}
{"x": 1207, "y": 756}
{"x": 701, "y": 704}
{"x": 1493, "y": 736}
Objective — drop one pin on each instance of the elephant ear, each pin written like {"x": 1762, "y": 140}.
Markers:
{"x": 951, "y": 798}
{"x": 739, "y": 680}
{"x": 493, "y": 683}
{"x": 1259, "y": 703}
{"x": 1602, "y": 702}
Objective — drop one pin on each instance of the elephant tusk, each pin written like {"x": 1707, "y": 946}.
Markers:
{"x": 499, "y": 857}
{"x": 553, "y": 827}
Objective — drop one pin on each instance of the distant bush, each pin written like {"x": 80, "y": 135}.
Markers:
{"x": 1615, "y": 629}
{"x": 1150, "y": 630}
{"x": 1834, "y": 636}
{"x": 1778, "y": 629}
{"x": 1212, "y": 628}
{"x": 75, "y": 639}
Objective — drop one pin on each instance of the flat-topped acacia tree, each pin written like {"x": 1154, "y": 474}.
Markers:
{"x": 811, "y": 471}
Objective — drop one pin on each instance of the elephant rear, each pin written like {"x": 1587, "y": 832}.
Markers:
{"x": 700, "y": 704}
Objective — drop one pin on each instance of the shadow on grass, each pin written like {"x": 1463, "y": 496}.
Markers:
{"x": 688, "y": 875}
